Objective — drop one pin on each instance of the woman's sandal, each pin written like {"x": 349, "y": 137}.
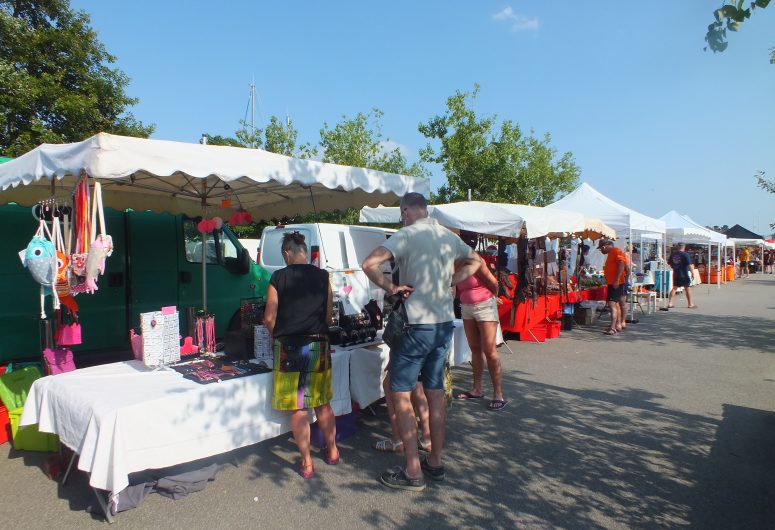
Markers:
{"x": 496, "y": 405}
{"x": 331, "y": 461}
{"x": 389, "y": 446}
{"x": 422, "y": 445}
{"x": 610, "y": 332}
{"x": 306, "y": 472}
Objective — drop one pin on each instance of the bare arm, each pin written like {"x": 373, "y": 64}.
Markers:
{"x": 487, "y": 276}
{"x": 270, "y": 310}
{"x": 371, "y": 266}
{"x": 619, "y": 272}
{"x": 466, "y": 267}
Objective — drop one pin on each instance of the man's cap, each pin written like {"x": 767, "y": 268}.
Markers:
{"x": 604, "y": 243}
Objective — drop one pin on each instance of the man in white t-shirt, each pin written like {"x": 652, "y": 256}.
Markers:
{"x": 430, "y": 260}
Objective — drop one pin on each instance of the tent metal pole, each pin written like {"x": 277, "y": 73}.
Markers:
{"x": 709, "y": 262}
{"x": 204, "y": 248}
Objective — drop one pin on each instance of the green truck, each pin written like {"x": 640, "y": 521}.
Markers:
{"x": 157, "y": 262}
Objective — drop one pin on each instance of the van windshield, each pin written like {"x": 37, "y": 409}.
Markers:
{"x": 271, "y": 246}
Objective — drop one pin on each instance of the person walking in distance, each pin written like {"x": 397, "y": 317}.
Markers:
{"x": 744, "y": 257}
{"x": 682, "y": 266}
{"x": 613, "y": 270}
{"x": 430, "y": 259}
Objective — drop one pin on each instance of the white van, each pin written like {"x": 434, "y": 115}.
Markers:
{"x": 251, "y": 245}
{"x": 338, "y": 248}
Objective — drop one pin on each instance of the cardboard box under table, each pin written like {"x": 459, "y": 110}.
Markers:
{"x": 125, "y": 417}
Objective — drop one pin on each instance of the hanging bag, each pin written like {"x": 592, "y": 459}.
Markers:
{"x": 68, "y": 332}
{"x": 101, "y": 246}
{"x": 40, "y": 259}
{"x": 82, "y": 231}
{"x": 63, "y": 262}
{"x": 397, "y": 324}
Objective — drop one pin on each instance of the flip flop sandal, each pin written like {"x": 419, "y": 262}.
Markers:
{"x": 389, "y": 446}
{"x": 468, "y": 395}
{"x": 610, "y": 332}
{"x": 497, "y": 405}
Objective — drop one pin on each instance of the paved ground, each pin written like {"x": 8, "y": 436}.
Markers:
{"x": 669, "y": 425}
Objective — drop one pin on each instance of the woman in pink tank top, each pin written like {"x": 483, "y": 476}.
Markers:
{"x": 480, "y": 319}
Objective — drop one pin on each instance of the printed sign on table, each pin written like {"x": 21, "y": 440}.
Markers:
{"x": 161, "y": 337}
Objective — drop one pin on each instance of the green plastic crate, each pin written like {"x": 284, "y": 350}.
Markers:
{"x": 28, "y": 438}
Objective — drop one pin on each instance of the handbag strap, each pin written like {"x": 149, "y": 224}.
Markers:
{"x": 81, "y": 220}
{"x": 96, "y": 211}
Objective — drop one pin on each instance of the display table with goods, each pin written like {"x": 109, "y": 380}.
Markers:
{"x": 126, "y": 417}
{"x": 368, "y": 363}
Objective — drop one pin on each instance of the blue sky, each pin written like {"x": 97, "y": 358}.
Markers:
{"x": 652, "y": 120}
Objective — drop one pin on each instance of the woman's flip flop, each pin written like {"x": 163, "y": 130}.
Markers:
{"x": 496, "y": 405}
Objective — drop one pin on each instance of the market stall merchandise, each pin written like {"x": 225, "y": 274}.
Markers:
{"x": 627, "y": 222}
{"x": 512, "y": 223}
{"x": 124, "y": 417}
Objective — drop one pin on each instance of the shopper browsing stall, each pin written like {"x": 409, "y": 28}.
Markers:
{"x": 744, "y": 258}
{"x": 298, "y": 313}
{"x": 613, "y": 270}
{"x": 427, "y": 254}
{"x": 480, "y": 320}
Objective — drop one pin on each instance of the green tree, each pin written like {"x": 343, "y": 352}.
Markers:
{"x": 359, "y": 142}
{"x": 57, "y": 81}
{"x": 730, "y": 16}
{"x": 497, "y": 163}
{"x": 767, "y": 185}
{"x": 281, "y": 137}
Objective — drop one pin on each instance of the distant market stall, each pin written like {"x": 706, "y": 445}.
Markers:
{"x": 533, "y": 286}
{"x": 682, "y": 229}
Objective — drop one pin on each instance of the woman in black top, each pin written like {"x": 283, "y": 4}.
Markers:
{"x": 297, "y": 315}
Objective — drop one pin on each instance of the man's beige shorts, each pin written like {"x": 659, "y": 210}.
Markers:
{"x": 486, "y": 311}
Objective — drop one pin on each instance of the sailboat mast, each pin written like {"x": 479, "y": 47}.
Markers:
{"x": 253, "y": 113}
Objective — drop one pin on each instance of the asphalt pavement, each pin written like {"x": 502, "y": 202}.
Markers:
{"x": 669, "y": 424}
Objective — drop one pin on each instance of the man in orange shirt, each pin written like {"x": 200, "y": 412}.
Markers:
{"x": 613, "y": 270}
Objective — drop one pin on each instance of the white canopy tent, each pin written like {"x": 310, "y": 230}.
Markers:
{"x": 179, "y": 177}
{"x": 680, "y": 228}
{"x": 589, "y": 201}
{"x": 500, "y": 220}
{"x": 626, "y": 221}
{"x": 194, "y": 179}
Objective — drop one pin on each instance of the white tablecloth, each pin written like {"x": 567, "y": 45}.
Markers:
{"x": 123, "y": 417}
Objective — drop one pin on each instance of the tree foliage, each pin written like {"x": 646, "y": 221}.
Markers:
{"x": 359, "y": 142}
{"x": 497, "y": 163}
{"x": 57, "y": 81}
{"x": 729, "y": 17}
{"x": 767, "y": 185}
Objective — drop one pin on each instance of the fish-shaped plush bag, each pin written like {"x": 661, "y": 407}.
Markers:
{"x": 40, "y": 260}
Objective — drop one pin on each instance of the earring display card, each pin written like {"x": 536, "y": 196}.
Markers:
{"x": 262, "y": 347}
{"x": 161, "y": 338}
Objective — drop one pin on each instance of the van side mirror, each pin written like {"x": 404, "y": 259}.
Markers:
{"x": 240, "y": 264}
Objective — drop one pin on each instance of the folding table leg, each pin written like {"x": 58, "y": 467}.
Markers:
{"x": 104, "y": 506}
{"x": 69, "y": 467}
